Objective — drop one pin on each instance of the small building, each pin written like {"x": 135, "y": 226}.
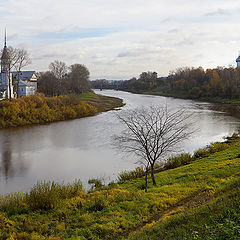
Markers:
{"x": 238, "y": 61}
{"x": 26, "y": 89}
{"x": 27, "y": 82}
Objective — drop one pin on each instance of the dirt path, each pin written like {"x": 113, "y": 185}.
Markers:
{"x": 184, "y": 205}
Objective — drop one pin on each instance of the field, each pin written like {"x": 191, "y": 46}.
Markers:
{"x": 199, "y": 200}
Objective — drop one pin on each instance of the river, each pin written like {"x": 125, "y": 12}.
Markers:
{"x": 82, "y": 148}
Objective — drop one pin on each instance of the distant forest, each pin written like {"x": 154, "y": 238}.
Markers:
{"x": 185, "y": 82}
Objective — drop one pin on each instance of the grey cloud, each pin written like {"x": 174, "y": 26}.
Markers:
{"x": 134, "y": 52}
{"x": 166, "y": 20}
{"x": 126, "y": 54}
{"x": 144, "y": 52}
{"x": 197, "y": 56}
{"x": 185, "y": 41}
{"x": 12, "y": 36}
{"x": 174, "y": 30}
{"x": 219, "y": 11}
{"x": 50, "y": 55}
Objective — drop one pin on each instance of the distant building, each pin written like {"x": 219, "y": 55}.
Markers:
{"x": 27, "y": 84}
{"x": 238, "y": 61}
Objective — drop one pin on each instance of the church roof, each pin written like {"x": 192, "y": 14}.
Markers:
{"x": 24, "y": 75}
{"x": 238, "y": 59}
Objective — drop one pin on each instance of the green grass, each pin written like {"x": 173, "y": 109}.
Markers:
{"x": 101, "y": 102}
{"x": 208, "y": 217}
{"x": 200, "y": 200}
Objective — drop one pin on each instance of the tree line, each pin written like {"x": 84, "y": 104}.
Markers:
{"x": 61, "y": 79}
{"x": 185, "y": 82}
{"x": 197, "y": 82}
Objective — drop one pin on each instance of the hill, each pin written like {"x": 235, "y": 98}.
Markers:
{"x": 199, "y": 200}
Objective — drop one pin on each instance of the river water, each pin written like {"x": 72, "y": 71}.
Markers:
{"x": 82, "y": 148}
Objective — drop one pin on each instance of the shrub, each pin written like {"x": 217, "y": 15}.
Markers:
{"x": 40, "y": 109}
{"x": 133, "y": 174}
{"x": 211, "y": 148}
{"x": 96, "y": 183}
{"x": 47, "y": 195}
{"x": 97, "y": 204}
{"x": 179, "y": 160}
{"x": 13, "y": 203}
{"x": 43, "y": 196}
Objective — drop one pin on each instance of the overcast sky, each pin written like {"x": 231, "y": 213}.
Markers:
{"x": 119, "y": 39}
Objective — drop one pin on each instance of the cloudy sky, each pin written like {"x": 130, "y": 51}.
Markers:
{"x": 119, "y": 39}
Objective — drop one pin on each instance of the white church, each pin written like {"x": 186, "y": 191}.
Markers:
{"x": 27, "y": 81}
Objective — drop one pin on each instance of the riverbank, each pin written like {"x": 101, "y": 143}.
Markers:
{"x": 37, "y": 109}
{"x": 192, "y": 201}
{"x": 182, "y": 95}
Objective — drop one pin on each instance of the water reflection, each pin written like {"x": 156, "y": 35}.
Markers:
{"x": 81, "y": 148}
{"x": 10, "y": 164}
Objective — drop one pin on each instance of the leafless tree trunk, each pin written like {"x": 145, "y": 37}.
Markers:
{"x": 152, "y": 133}
{"x": 59, "y": 70}
{"x": 11, "y": 61}
{"x": 146, "y": 176}
{"x": 22, "y": 60}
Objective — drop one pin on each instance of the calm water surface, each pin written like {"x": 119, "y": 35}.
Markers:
{"x": 82, "y": 148}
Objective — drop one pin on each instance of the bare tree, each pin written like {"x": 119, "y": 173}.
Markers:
{"x": 59, "y": 70}
{"x": 18, "y": 59}
{"x": 12, "y": 57}
{"x": 9, "y": 58}
{"x": 152, "y": 133}
{"x": 79, "y": 78}
{"x": 22, "y": 59}
{"x": 47, "y": 83}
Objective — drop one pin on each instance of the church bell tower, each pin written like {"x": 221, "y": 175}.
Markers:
{"x": 5, "y": 57}
{"x": 6, "y": 75}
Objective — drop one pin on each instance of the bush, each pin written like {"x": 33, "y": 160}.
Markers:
{"x": 211, "y": 148}
{"x": 179, "y": 160}
{"x": 13, "y": 203}
{"x": 133, "y": 174}
{"x": 96, "y": 183}
{"x": 47, "y": 195}
{"x": 97, "y": 204}
{"x": 39, "y": 109}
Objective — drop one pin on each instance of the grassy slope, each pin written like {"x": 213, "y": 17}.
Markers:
{"x": 189, "y": 202}
{"x": 183, "y": 95}
{"x": 102, "y": 103}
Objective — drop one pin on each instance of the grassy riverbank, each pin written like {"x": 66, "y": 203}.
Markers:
{"x": 183, "y": 95}
{"x": 37, "y": 109}
{"x": 199, "y": 200}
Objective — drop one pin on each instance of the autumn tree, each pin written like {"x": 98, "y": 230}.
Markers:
{"x": 153, "y": 133}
